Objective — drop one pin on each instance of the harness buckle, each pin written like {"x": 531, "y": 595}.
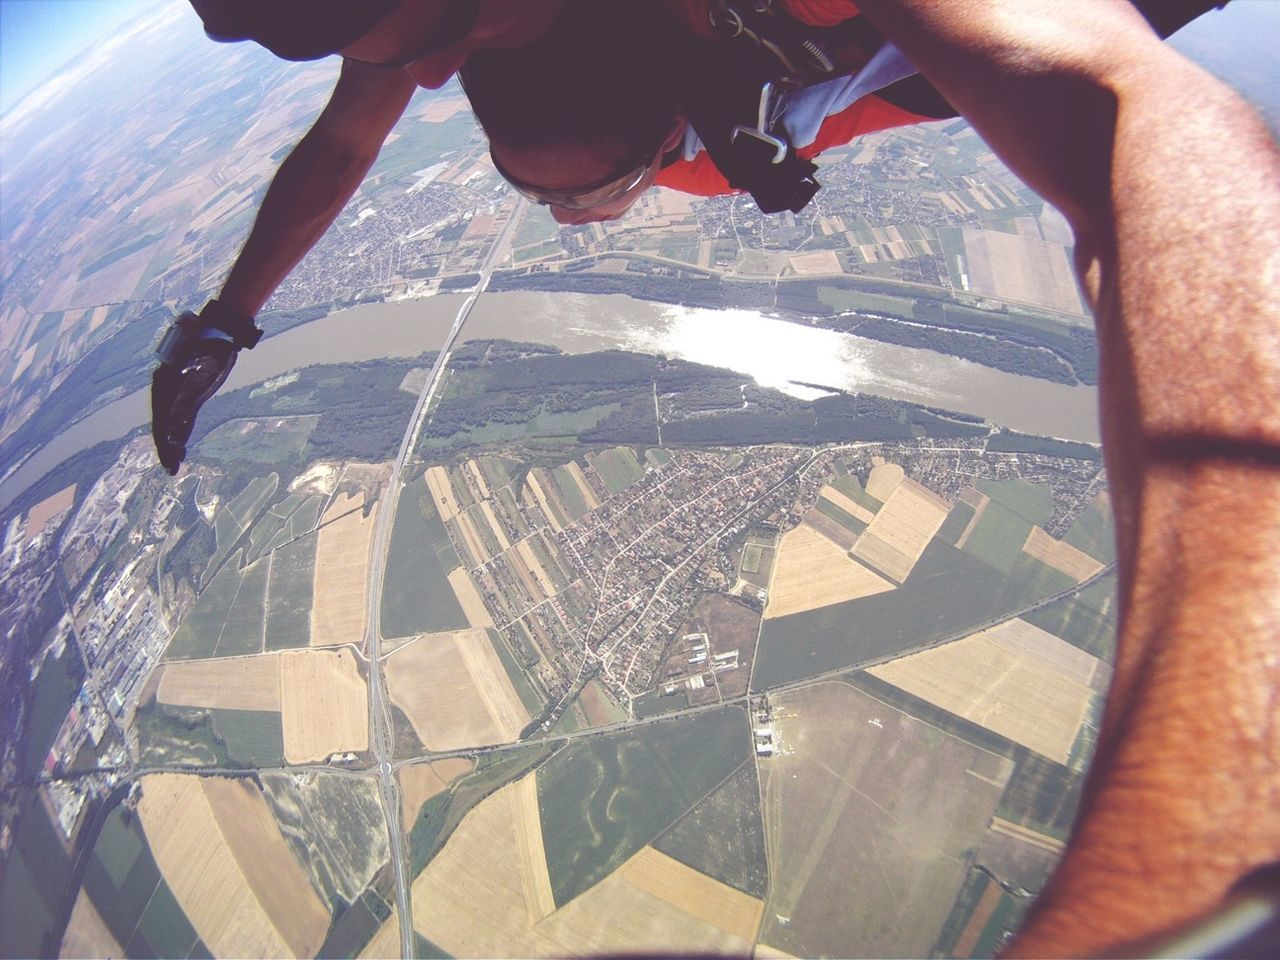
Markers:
{"x": 764, "y": 122}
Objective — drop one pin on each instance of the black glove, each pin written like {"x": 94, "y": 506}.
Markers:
{"x": 195, "y": 358}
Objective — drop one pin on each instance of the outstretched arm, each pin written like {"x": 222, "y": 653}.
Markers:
{"x": 317, "y": 179}
{"x": 1172, "y": 185}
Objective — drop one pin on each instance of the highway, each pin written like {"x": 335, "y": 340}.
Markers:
{"x": 381, "y": 737}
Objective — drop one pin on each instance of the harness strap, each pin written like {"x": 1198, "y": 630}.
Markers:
{"x": 735, "y": 88}
{"x": 731, "y": 101}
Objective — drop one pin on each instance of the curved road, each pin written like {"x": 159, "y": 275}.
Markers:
{"x": 381, "y": 738}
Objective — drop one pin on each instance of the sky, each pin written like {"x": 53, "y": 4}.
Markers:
{"x": 38, "y": 37}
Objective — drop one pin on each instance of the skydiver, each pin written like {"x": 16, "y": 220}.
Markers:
{"x": 1175, "y": 205}
{"x": 389, "y": 49}
{"x": 754, "y": 91}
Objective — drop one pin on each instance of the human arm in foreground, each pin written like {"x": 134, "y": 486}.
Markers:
{"x": 309, "y": 190}
{"x": 317, "y": 179}
{"x": 1172, "y": 185}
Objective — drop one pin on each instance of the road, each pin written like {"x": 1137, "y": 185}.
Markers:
{"x": 381, "y": 738}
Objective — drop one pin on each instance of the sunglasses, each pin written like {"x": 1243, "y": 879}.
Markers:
{"x": 586, "y": 197}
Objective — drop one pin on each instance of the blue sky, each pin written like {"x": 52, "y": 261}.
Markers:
{"x": 37, "y": 37}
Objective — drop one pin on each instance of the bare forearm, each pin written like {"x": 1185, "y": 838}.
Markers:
{"x": 308, "y": 192}
{"x": 317, "y": 179}
{"x": 1173, "y": 188}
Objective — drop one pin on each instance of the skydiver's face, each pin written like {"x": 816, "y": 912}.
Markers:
{"x": 411, "y": 35}
{"x": 571, "y": 168}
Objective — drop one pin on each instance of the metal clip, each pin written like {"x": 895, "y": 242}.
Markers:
{"x": 761, "y": 130}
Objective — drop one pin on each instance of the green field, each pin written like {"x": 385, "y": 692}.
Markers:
{"x": 287, "y": 520}
{"x": 289, "y": 589}
{"x": 253, "y": 738}
{"x": 236, "y": 516}
{"x": 841, "y": 516}
{"x": 355, "y": 926}
{"x": 270, "y": 441}
{"x": 270, "y": 524}
{"x": 956, "y": 522}
{"x": 524, "y": 687}
{"x": 242, "y": 631}
{"x": 619, "y": 468}
{"x": 537, "y": 226}
{"x": 126, "y": 887}
{"x": 848, "y": 484}
{"x": 1086, "y": 620}
{"x": 55, "y": 689}
{"x": 657, "y": 457}
{"x": 998, "y": 537}
{"x": 163, "y": 930}
{"x": 443, "y": 812}
{"x": 723, "y": 836}
{"x": 1093, "y": 533}
{"x": 841, "y": 300}
{"x": 197, "y": 635}
{"x": 1033, "y": 501}
{"x": 35, "y": 881}
{"x": 570, "y": 495}
{"x": 178, "y": 735}
{"x": 947, "y": 594}
{"x": 603, "y": 799}
{"x": 751, "y": 555}
{"x": 416, "y": 596}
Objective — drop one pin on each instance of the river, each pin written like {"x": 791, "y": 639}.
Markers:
{"x": 774, "y": 352}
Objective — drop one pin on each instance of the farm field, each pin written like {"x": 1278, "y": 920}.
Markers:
{"x": 488, "y": 893}
{"x": 1021, "y": 270}
{"x": 723, "y": 836}
{"x": 198, "y": 634}
{"x": 334, "y": 827}
{"x": 1061, "y": 556}
{"x": 454, "y": 690}
{"x": 899, "y": 532}
{"x": 323, "y": 703}
{"x": 868, "y": 815}
{"x": 417, "y": 596}
{"x": 237, "y": 516}
{"x": 239, "y": 683}
{"x": 1093, "y": 530}
{"x": 290, "y": 587}
{"x": 1086, "y": 619}
{"x": 124, "y": 900}
{"x": 253, "y": 738}
{"x": 440, "y": 816}
{"x": 1041, "y": 795}
{"x": 242, "y": 632}
{"x": 264, "y": 440}
{"x": 811, "y": 572}
{"x": 281, "y": 886}
{"x": 422, "y": 781}
{"x": 36, "y": 878}
{"x": 617, "y": 467}
{"x": 1014, "y": 679}
{"x": 338, "y": 607}
{"x": 213, "y": 874}
{"x": 603, "y": 799}
{"x": 947, "y": 593}
{"x": 287, "y": 520}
